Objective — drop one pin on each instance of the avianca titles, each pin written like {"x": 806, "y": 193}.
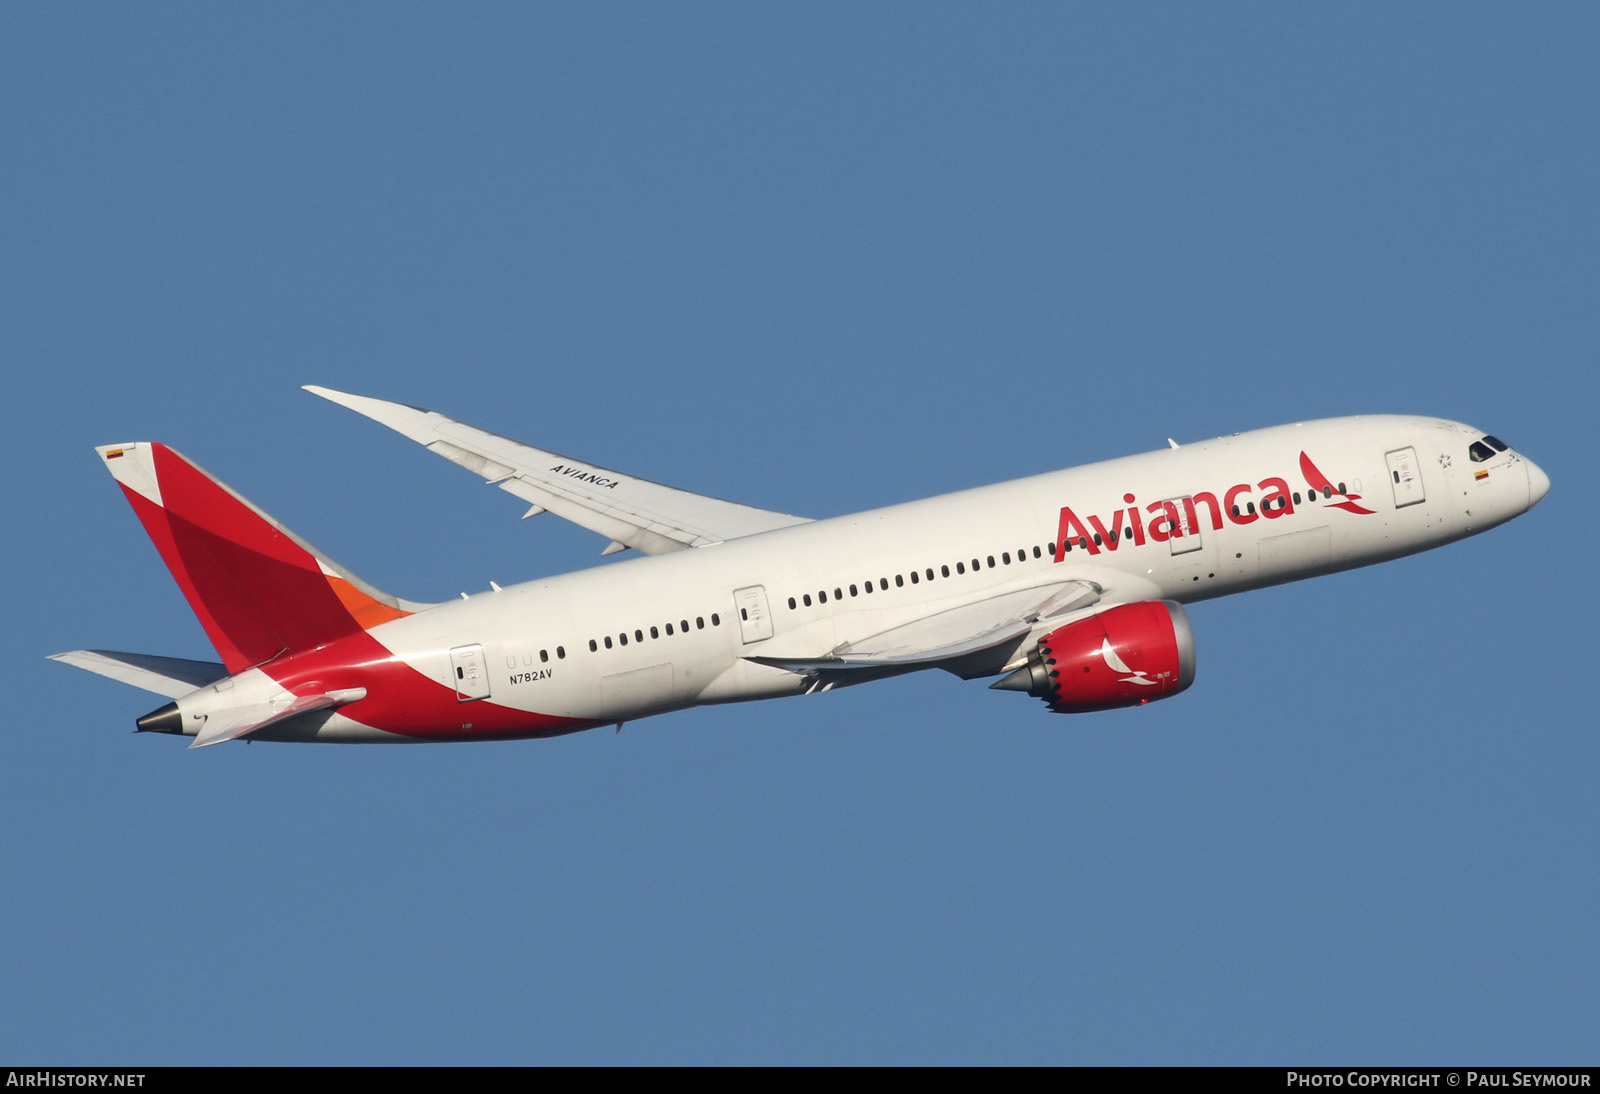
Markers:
{"x": 1069, "y": 585}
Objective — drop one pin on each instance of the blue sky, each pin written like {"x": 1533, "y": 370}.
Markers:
{"x": 815, "y": 258}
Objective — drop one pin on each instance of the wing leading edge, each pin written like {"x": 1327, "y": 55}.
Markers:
{"x": 630, "y": 511}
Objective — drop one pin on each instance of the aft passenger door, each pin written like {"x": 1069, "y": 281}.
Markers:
{"x": 470, "y": 673}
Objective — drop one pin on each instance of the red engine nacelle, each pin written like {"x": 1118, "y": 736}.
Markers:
{"x": 1122, "y": 657}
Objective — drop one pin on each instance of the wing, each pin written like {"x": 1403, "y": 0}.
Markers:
{"x": 632, "y": 512}
{"x": 948, "y": 636}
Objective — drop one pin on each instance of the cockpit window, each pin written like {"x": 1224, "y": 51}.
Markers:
{"x": 1496, "y": 443}
{"x": 1480, "y": 452}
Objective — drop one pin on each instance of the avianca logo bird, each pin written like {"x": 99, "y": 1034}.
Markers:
{"x": 1319, "y": 482}
{"x": 1116, "y": 664}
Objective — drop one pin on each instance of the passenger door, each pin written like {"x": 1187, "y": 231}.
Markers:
{"x": 1405, "y": 476}
{"x": 470, "y": 673}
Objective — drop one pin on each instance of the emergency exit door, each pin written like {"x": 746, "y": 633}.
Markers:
{"x": 1186, "y": 536}
{"x": 755, "y": 622}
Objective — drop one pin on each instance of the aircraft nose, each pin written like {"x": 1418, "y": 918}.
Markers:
{"x": 1538, "y": 483}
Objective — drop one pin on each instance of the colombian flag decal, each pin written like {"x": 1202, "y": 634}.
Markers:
{"x": 1480, "y": 476}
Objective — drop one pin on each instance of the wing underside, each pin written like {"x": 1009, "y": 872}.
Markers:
{"x": 630, "y": 511}
{"x": 956, "y": 638}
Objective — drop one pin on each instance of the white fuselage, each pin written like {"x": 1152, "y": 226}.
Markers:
{"x": 659, "y": 633}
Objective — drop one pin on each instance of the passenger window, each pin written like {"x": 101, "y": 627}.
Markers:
{"x": 914, "y": 577}
{"x": 593, "y": 648}
{"x": 654, "y": 633}
{"x": 638, "y": 636}
{"x": 867, "y": 588}
{"x": 623, "y": 638}
{"x": 944, "y": 571}
{"x": 1005, "y": 556}
{"x": 899, "y": 582}
{"x": 806, "y": 599}
{"x": 669, "y": 625}
{"x": 561, "y": 653}
{"x": 883, "y": 584}
{"x": 961, "y": 568}
{"x": 838, "y": 594}
{"x": 852, "y": 590}
{"x": 716, "y": 620}
{"x": 1038, "y": 553}
{"x": 699, "y": 622}
{"x": 683, "y": 625}
{"x": 930, "y": 573}
{"x": 822, "y": 597}
{"x": 991, "y": 562}
{"x": 544, "y": 655}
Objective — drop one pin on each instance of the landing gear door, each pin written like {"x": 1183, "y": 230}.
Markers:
{"x": 470, "y": 672}
{"x": 1405, "y": 477}
{"x": 755, "y": 622}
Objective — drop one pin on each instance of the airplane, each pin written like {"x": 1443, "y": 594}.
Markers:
{"x": 1068, "y": 586}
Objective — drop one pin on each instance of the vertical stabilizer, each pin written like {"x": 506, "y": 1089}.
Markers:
{"x": 258, "y": 589}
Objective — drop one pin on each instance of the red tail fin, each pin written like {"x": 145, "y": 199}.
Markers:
{"x": 258, "y": 589}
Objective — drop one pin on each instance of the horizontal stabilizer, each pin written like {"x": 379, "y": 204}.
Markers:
{"x": 230, "y": 725}
{"x": 169, "y": 676}
{"x": 947, "y": 635}
{"x": 629, "y": 511}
